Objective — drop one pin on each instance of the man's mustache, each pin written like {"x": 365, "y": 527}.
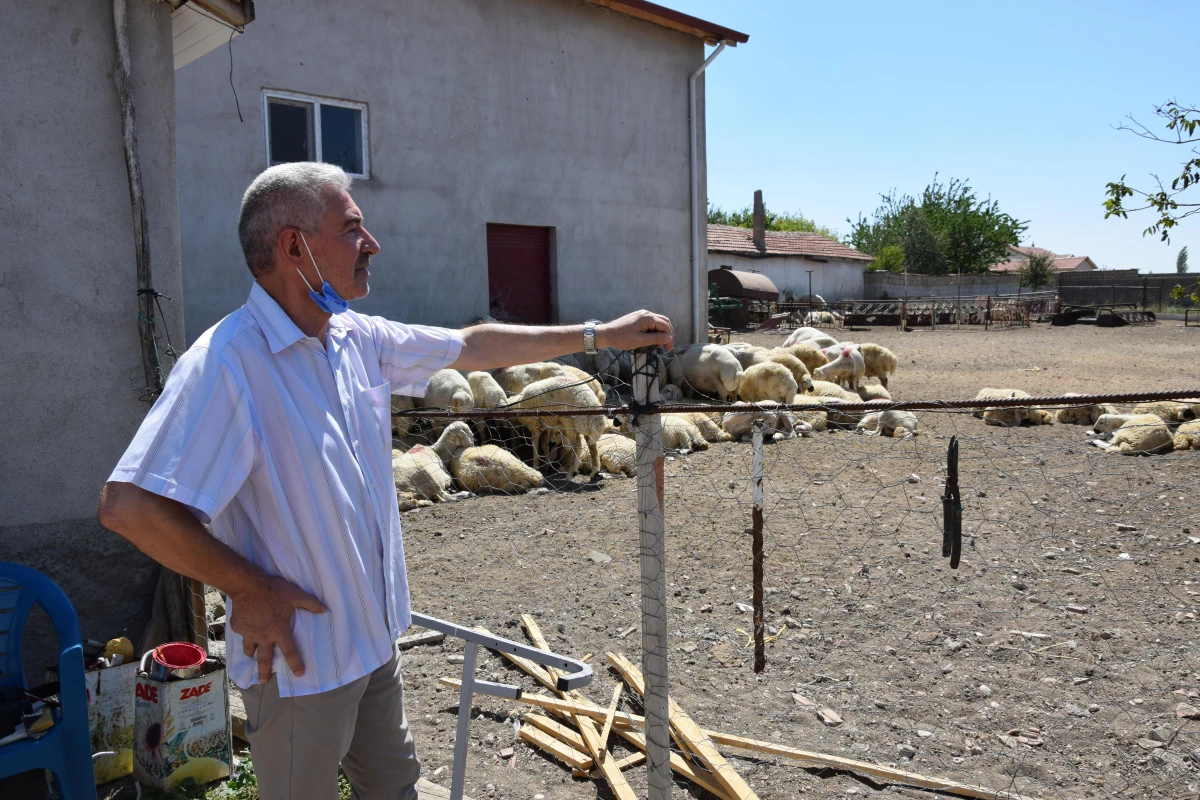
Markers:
{"x": 364, "y": 261}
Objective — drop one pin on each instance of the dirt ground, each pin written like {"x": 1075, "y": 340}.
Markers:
{"x": 1088, "y": 552}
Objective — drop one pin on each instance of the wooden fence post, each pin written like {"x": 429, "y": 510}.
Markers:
{"x": 653, "y": 556}
{"x": 760, "y": 652}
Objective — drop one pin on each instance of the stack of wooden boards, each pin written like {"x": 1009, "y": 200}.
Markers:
{"x": 576, "y": 731}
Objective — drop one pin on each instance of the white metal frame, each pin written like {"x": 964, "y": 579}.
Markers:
{"x": 317, "y": 100}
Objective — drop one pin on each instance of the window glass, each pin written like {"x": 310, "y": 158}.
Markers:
{"x": 290, "y": 131}
{"x": 341, "y": 137}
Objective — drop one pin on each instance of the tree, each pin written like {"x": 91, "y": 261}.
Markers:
{"x": 786, "y": 221}
{"x": 1038, "y": 270}
{"x": 1181, "y": 265}
{"x": 1182, "y": 122}
{"x": 947, "y": 230}
{"x": 890, "y": 259}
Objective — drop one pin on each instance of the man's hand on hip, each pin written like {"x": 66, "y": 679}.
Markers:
{"x": 635, "y": 330}
{"x": 262, "y": 616}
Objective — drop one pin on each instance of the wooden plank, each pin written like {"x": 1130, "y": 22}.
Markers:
{"x": 587, "y": 727}
{"x": 695, "y": 739}
{"x": 564, "y": 753}
{"x": 631, "y": 760}
{"x": 560, "y": 732}
{"x": 678, "y": 764}
{"x": 624, "y": 723}
{"x": 608, "y": 719}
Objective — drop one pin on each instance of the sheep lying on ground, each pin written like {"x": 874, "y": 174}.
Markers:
{"x": 815, "y": 419}
{"x": 489, "y": 469}
{"x": 561, "y": 392}
{"x": 1011, "y": 417}
{"x": 879, "y": 362}
{"x": 831, "y": 394}
{"x": 680, "y": 433}
{"x": 1167, "y": 410}
{"x": 447, "y": 389}
{"x": 402, "y": 425}
{"x": 822, "y": 318}
{"x": 873, "y": 391}
{"x": 709, "y": 428}
{"x": 767, "y": 381}
{"x": 897, "y": 424}
{"x": 810, "y": 355}
{"x": 832, "y": 390}
{"x": 421, "y": 475}
{"x": 707, "y": 368}
{"x": 1187, "y": 436}
{"x": 618, "y": 454}
{"x": 776, "y": 424}
{"x": 671, "y": 393}
{"x": 848, "y": 368}
{"x": 1107, "y": 423}
{"x": 1143, "y": 434}
{"x": 515, "y": 379}
{"x": 1082, "y": 415}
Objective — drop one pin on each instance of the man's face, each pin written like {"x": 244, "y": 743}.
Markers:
{"x": 344, "y": 248}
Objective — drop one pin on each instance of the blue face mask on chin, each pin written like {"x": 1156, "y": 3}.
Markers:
{"x": 329, "y": 300}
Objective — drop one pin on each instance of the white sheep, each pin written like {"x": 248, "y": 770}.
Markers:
{"x": 679, "y": 432}
{"x": 748, "y": 356}
{"x": 707, "y": 368}
{"x": 1107, "y": 423}
{"x": 879, "y": 362}
{"x": 514, "y": 379}
{"x": 588, "y": 380}
{"x": 1013, "y": 416}
{"x": 777, "y": 424}
{"x": 1082, "y": 415}
{"x": 873, "y": 391}
{"x": 827, "y": 389}
{"x": 420, "y": 474}
{"x": 795, "y": 366}
{"x": 561, "y": 393}
{"x": 822, "y": 318}
{"x": 671, "y": 393}
{"x": 448, "y": 389}
{"x": 1187, "y": 436}
{"x": 485, "y": 393}
{"x": 489, "y": 469}
{"x": 709, "y": 425}
{"x": 1143, "y": 434}
{"x": 816, "y": 420}
{"x": 767, "y": 381}
{"x": 804, "y": 335}
{"x": 896, "y": 424}
{"x": 848, "y": 368}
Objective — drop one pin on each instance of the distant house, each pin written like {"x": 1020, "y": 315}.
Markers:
{"x": 788, "y": 258}
{"x": 1018, "y": 257}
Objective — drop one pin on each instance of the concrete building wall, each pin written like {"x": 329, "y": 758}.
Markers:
{"x": 879, "y": 285}
{"x": 539, "y": 112}
{"x": 832, "y": 280}
{"x": 70, "y": 369}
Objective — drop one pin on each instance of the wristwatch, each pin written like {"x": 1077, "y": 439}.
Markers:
{"x": 589, "y": 336}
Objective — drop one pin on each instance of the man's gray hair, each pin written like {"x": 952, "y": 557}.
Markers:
{"x": 282, "y": 196}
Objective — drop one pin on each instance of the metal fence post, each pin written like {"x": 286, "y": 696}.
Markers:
{"x": 652, "y": 529}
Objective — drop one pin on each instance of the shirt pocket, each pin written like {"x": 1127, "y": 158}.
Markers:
{"x": 379, "y": 400}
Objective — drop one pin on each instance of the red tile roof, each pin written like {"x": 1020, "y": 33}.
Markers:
{"x": 1061, "y": 264}
{"x": 675, "y": 20}
{"x": 740, "y": 241}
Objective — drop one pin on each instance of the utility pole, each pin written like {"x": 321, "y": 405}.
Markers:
{"x": 810, "y": 297}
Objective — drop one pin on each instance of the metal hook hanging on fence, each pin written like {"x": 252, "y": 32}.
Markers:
{"x": 952, "y": 508}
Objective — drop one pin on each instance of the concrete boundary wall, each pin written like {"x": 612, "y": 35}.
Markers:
{"x": 878, "y": 285}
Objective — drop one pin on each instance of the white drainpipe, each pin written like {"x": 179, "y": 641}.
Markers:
{"x": 699, "y": 281}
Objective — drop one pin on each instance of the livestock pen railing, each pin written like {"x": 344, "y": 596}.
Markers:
{"x": 981, "y": 610}
{"x": 986, "y": 310}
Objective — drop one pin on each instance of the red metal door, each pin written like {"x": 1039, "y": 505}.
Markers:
{"x": 519, "y": 273}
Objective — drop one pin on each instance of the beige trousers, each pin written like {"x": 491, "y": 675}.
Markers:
{"x": 296, "y": 743}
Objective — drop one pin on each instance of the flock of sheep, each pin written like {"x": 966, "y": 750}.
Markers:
{"x": 809, "y": 368}
{"x": 1152, "y": 428}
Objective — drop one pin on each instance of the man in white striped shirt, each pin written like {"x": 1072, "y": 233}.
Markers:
{"x": 275, "y": 429}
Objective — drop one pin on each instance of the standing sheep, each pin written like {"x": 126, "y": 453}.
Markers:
{"x": 707, "y": 368}
{"x": 588, "y": 380}
{"x": 485, "y": 393}
{"x": 879, "y": 362}
{"x": 401, "y": 425}
{"x": 809, "y": 354}
{"x": 560, "y": 393}
{"x": 421, "y": 475}
{"x": 804, "y": 335}
{"x": 448, "y": 389}
{"x": 748, "y": 356}
{"x": 767, "y": 381}
{"x": 794, "y": 365}
{"x": 514, "y": 379}
{"x": 848, "y": 368}
{"x": 489, "y": 469}
{"x": 1144, "y": 434}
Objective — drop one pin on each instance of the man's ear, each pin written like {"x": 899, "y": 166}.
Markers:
{"x": 289, "y": 246}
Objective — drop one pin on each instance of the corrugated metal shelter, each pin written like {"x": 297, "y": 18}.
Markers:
{"x": 743, "y": 285}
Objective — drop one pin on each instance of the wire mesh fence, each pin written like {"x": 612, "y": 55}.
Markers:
{"x": 1056, "y": 661}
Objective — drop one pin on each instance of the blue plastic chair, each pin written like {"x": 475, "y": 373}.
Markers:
{"x": 66, "y": 749}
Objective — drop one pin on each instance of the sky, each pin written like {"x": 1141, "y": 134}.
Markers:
{"x": 831, "y": 104}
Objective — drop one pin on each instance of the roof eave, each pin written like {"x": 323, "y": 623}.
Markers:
{"x": 655, "y": 14}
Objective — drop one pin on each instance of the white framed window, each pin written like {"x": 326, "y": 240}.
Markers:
{"x": 301, "y": 127}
